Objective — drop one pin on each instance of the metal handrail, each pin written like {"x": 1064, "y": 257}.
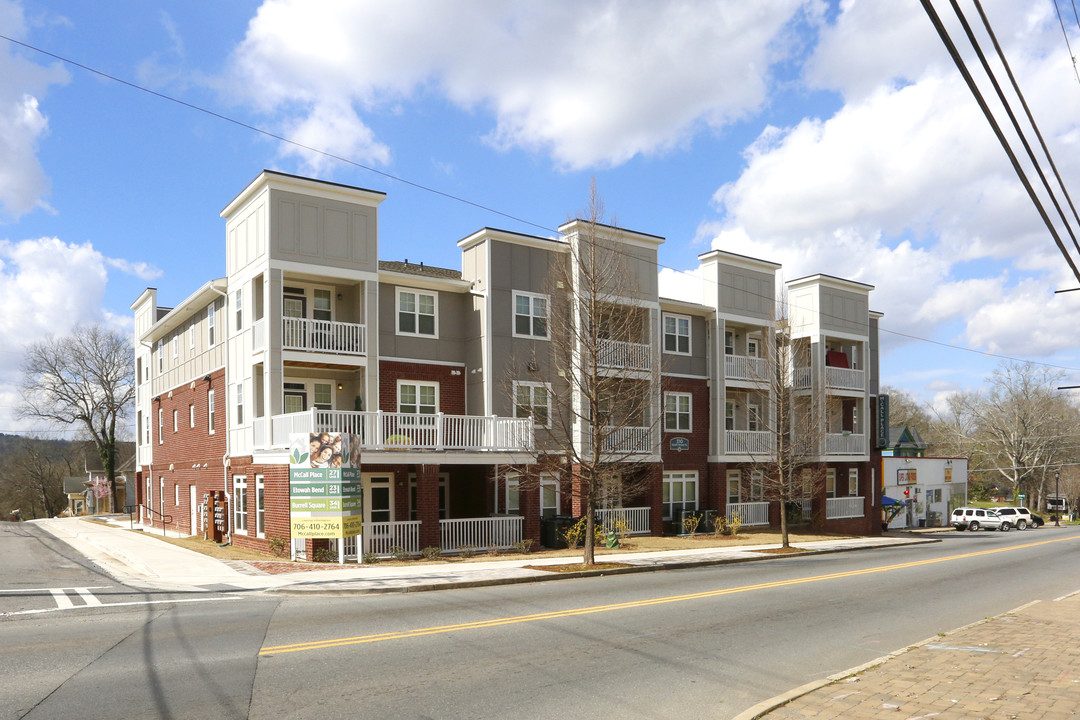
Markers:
{"x": 164, "y": 518}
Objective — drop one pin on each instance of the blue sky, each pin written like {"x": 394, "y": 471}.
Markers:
{"x": 829, "y": 137}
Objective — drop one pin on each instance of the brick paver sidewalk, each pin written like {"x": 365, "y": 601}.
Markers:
{"x": 1023, "y": 664}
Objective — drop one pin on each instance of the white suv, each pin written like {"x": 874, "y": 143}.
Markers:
{"x": 972, "y": 518}
{"x": 1020, "y": 517}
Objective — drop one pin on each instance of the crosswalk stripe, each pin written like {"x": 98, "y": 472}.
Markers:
{"x": 62, "y": 600}
{"x": 87, "y": 596}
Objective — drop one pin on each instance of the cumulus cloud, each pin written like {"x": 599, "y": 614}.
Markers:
{"x": 591, "y": 84}
{"x": 23, "y": 182}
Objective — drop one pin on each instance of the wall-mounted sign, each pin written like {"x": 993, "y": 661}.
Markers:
{"x": 882, "y": 421}
{"x": 905, "y": 476}
{"x": 324, "y": 486}
{"x": 679, "y": 444}
{"x": 948, "y": 475}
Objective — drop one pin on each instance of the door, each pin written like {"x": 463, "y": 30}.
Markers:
{"x": 294, "y": 310}
{"x": 378, "y": 533}
{"x": 193, "y": 509}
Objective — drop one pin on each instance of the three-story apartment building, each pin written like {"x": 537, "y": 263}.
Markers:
{"x": 455, "y": 385}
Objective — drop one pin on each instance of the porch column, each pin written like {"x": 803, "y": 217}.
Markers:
{"x": 529, "y": 502}
{"x": 427, "y": 505}
{"x": 715, "y": 495}
{"x": 655, "y": 494}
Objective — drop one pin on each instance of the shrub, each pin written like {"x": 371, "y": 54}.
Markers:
{"x": 690, "y": 524}
{"x": 431, "y": 552}
{"x": 574, "y": 535}
{"x": 734, "y": 524}
{"x": 398, "y": 553}
{"x": 467, "y": 550}
{"x": 325, "y": 555}
{"x": 524, "y": 546}
{"x": 279, "y": 547}
{"x": 370, "y": 558}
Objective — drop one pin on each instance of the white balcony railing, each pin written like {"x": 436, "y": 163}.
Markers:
{"x": 750, "y": 513}
{"x": 502, "y": 532}
{"x": 323, "y": 336}
{"x": 624, "y": 355}
{"x": 801, "y": 378}
{"x": 409, "y": 431}
{"x": 742, "y": 367}
{"x": 258, "y": 335}
{"x": 631, "y": 440}
{"x": 748, "y": 442}
{"x": 845, "y": 378}
{"x": 843, "y": 507}
{"x": 636, "y": 518}
{"x": 845, "y": 444}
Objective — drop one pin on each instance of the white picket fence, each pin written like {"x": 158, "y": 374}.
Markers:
{"x": 481, "y": 533}
{"x": 636, "y": 518}
{"x": 751, "y": 513}
{"x": 843, "y": 507}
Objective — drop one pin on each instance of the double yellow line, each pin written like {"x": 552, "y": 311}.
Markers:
{"x": 556, "y": 614}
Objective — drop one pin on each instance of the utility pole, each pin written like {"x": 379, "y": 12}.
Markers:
{"x": 1057, "y": 498}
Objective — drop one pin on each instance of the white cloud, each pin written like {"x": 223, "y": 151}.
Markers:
{"x": 142, "y": 270}
{"x": 23, "y": 183}
{"x": 592, "y": 84}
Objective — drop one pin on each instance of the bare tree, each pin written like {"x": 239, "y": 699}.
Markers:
{"x": 86, "y": 380}
{"x": 1019, "y": 428}
{"x": 795, "y": 422}
{"x": 604, "y": 418}
{"x": 40, "y": 467}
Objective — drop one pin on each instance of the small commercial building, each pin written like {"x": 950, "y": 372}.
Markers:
{"x": 928, "y": 488}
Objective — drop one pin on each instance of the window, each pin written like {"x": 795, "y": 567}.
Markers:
{"x": 160, "y": 426}
{"x": 677, "y": 334}
{"x": 210, "y": 324}
{"x": 530, "y": 315}
{"x": 549, "y": 496}
{"x": 191, "y": 336}
{"x": 239, "y": 304}
{"x": 176, "y": 494}
{"x": 752, "y": 347}
{"x": 757, "y": 486}
{"x": 191, "y": 415}
{"x": 210, "y": 410}
{"x": 240, "y": 507}
{"x": 239, "y": 403}
{"x": 160, "y": 357}
{"x": 734, "y": 486}
{"x": 416, "y": 313}
{"x": 679, "y": 493}
{"x": 533, "y": 400}
{"x": 418, "y": 398}
{"x": 513, "y": 495}
{"x": 853, "y": 482}
{"x": 830, "y": 483}
{"x": 295, "y": 397}
{"x": 753, "y": 415}
{"x": 175, "y": 346}
{"x": 321, "y": 309}
{"x": 729, "y": 415}
{"x": 175, "y": 420}
{"x": 677, "y": 412}
{"x": 323, "y": 396}
{"x": 729, "y": 343}
{"x": 260, "y": 506}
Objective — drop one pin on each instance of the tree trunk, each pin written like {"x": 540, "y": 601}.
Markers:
{"x": 590, "y": 533}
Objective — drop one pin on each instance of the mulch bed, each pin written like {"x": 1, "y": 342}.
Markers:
{"x": 577, "y": 567}
{"x": 271, "y": 567}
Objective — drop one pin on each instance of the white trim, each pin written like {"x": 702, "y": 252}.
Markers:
{"x": 689, "y": 412}
{"x": 417, "y": 361}
{"x": 664, "y": 334}
{"x": 671, "y": 477}
{"x": 417, "y": 384}
{"x": 515, "y": 294}
{"x": 685, "y": 375}
{"x": 532, "y": 384}
{"x": 736, "y": 475}
{"x": 416, "y": 292}
{"x": 239, "y": 481}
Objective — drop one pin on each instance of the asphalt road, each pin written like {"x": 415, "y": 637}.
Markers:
{"x": 706, "y": 642}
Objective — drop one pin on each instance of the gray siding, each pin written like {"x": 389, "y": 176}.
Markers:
{"x": 449, "y": 346}
{"x": 323, "y": 232}
{"x": 844, "y": 311}
{"x": 747, "y": 292}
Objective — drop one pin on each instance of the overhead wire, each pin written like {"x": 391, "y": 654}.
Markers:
{"x": 1057, "y": 9}
{"x": 457, "y": 198}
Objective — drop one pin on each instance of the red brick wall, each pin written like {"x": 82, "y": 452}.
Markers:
{"x": 451, "y": 386}
{"x": 275, "y": 497}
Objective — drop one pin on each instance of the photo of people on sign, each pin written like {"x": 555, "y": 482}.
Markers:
{"x": 324, "y": 450}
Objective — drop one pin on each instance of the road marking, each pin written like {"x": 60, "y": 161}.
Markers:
{"x": 41, "y": 590}
{"x": 87, "y": 596}
{"x": 62, "y": 600}
{"x": 123, "y": 604}
{"x": 556, "y": 614}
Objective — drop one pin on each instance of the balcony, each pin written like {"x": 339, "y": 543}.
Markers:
{"x": 801, "y": 378}
{"x": 837, "y": 508}
{"x": 624, "y": 355}
{"x": 743, "y": 367}
{"x": 845, "y": 444}
{"x": 323, "y": 336}
{"x": 838, "y": 378}
{"x": 407, "y": 431}
{"x": 628, "y": 440}
{"x": 748, "y": 442}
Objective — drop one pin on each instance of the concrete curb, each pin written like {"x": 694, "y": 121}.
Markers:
{"x": 765, "y": 707}
{"x": 308, "y": 588}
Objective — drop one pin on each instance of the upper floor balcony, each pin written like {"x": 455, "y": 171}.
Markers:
{"x": 617, "y": 354}
{"x": 744, "y": 367}
{"x": 628, "y": 440}
{"x": 836, "y": 378}
{"x": 748, "y": 442}
{"x": 325, "y": 336}
{"x": 380, "y": 430}
{"x": 845, "y": 444}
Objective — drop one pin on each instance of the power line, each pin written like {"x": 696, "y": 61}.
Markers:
{"x": 1065, "y": 34}
{"x": 451, "y": 196}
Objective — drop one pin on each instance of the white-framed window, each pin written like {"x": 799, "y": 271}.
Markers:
{"x": 830, "y": 483}
{"x": 240, "y": 504}
{"x": 729, "y": 415}
{"x": 240, "y": 403}
{"x": 513, "y": 494}
{"x": 176, "y": 494}
{"x": 260, "y": 506}
{"x": 677, "y": 416}
{"x": 417, "y": 313}
{"x": 175, "y": 420}
{"x": 160, "y": 357}
{"x": 175, "y": 346}
{"x": 677, "y": 334}
{"x": 679, "y": 493}
{"x": 418, "y": 398}
{"x": 734, "y": 486}
{"x": 757, "y": 486}
{"x": 238, "y": 303}
{"x": 321, "y": 308}
{"x": 160, "y": 426}
{"x": 729, "y": 343}
{"x": 753, "y": 346}
{"x": 853, "y": 482}
{"x": 530, "y": 315}
{"x": 322, "y": 396}
{"x": 191, "y": 415}
{"x": 210, "y": 327}
{"x": 191, "y": 336}
{"x": 549, "y": 496}
{"x": 533, "y": 400}
{"x": 753, "y": 417}
{"x": 210, "y": 410}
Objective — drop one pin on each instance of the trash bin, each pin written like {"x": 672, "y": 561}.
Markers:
{"x": 552, "y": 528}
